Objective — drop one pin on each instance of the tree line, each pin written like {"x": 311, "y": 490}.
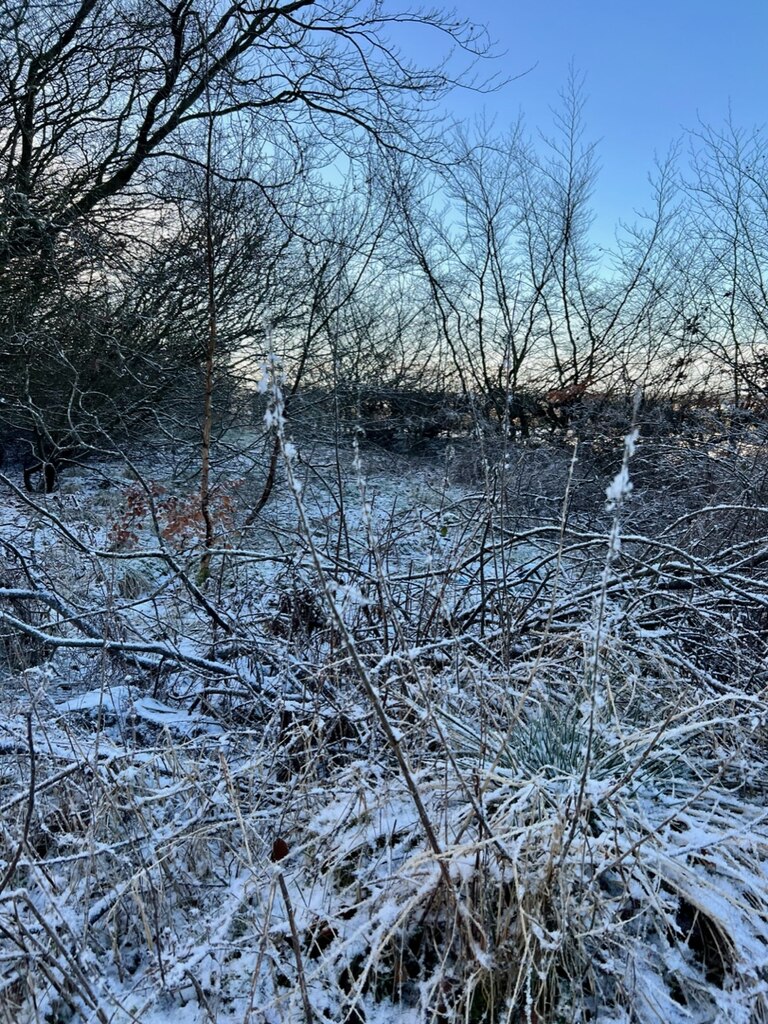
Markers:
{"x": 190, "y": 189}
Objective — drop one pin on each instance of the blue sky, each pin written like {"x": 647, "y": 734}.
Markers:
{"x": 652, "y": 70}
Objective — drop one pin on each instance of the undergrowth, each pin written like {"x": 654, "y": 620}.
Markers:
{"x": 412, "y": 753}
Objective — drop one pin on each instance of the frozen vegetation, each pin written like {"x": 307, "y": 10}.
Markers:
{"x": 383, "y": 554}
{"x": 476, "y": 737}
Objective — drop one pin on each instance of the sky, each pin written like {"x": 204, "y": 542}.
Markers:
{"x": 653, "y": 69}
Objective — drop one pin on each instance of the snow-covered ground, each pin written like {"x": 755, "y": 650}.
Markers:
{"x": 430, "y": 743}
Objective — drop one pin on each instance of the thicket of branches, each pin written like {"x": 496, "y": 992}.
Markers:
{"x": 295, "y": 725}
{"x": 274, "y": 177}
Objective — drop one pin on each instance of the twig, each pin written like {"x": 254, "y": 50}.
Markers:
{"x": 13, "y": 863}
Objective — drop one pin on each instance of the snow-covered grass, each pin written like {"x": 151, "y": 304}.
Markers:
{"x": 420, "y": 749}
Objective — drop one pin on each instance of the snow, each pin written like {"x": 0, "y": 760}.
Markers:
{"x": 575, "y": 774}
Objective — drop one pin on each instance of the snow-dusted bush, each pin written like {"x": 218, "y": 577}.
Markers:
{"x": 407, "y": 756}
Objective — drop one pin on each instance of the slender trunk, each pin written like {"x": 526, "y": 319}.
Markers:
{"x": 210, "y": 354}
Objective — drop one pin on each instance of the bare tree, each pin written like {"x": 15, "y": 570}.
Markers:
{"x": 527, "y": 304}
{"x": 100, "y": 101}
{"x": 94, "y": 95}
{"x": 727, "y": 252}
